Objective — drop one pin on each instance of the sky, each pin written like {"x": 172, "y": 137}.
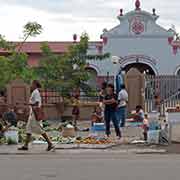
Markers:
{"x": 62, "y": 18}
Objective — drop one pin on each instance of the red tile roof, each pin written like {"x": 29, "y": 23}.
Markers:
{"x": 35, "y": 47}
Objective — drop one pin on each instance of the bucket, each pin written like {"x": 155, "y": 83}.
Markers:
{"x": 98, "y": 129}
{"x": 12, "y": 136}
{"x": 153, "y": 137}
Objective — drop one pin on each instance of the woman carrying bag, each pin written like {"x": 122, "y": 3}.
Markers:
{"x": 36, "y": 115}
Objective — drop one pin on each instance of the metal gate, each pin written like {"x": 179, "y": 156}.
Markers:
{"x": 161, "y": 92}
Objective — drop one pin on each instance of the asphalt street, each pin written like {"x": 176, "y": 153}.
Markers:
{"x": 89, "y": 165}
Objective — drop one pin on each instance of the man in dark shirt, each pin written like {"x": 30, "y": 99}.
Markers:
{"x": 110, "y": 102}
{"x": 10, "y": 116}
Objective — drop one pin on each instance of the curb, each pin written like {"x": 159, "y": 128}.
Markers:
{"x": 93, "y": 151}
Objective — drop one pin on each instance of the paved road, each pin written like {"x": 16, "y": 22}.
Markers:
{"x": 89, "y": 166}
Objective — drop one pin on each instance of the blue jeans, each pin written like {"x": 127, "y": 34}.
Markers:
{"x": 121, "y": 116}
{"x": 110, "y": 115}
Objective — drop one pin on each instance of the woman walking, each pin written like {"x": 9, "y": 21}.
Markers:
{"x": 35, "y": 117}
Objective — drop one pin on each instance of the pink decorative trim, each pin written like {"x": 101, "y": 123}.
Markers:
{"x": 170, "y": 39}
{"x": 105, "y": 40}
{"x": 137, "y": 27}
{"x": 175, "y": 45}
{"x": 121, "y": 12}
{"x": 175, "y": 48}
{"x": 74, "y": 37}
{"x": 137, "y": 4}
{"x": 99, "y": 48}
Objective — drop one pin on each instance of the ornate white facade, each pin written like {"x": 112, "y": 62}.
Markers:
{"x": 138, "y": 41}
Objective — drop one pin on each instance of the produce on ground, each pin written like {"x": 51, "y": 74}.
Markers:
{"x": 93, "y": 140}
{"x": 54, "y": 134}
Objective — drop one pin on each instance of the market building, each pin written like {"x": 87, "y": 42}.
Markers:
{"x": 139, "y": 45}
{"x": 137, "y": 41}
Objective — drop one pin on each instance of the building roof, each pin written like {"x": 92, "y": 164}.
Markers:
{"x": 57, "y": 47}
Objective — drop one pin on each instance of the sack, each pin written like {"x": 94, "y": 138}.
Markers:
{"x": 39, "y": 113}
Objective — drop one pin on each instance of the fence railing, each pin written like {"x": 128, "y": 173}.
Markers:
{"x": 53, "y": 96}
{"x": 164, "y": 87}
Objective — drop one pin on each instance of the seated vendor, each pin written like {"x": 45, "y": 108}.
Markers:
{"x": 139, "y": 115}
{"x": 97, "y": 116}
{"x": 3, "y": 129}
{"x": 10, "y": 116}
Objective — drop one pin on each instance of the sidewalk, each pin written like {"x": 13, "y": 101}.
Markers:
{"x": 118, "y": 149}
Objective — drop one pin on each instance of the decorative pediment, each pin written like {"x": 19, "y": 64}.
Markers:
{"x": 137, "y": 23}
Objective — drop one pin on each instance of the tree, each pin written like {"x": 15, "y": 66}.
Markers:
{"x": 31, "y": 29}
{"x": 68, "y": 71}
{"x": 15, "y": 64}
{"x": 5, "y": 72}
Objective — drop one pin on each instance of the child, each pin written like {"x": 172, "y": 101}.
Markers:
{"x": 139, "y": 116}
{"x": 76, "y": 108}
{"x": 145, "y": 126}
{"x": 97, "y": 116}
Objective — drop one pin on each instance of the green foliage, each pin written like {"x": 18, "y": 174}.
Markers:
{"x": 68, "y": 71}
{"x": 32, "y": 29}
{"x": 13, "y": 67}
{"x": 5, "y": 45}
{"x": 98, "y": 57}
{"x": 58, "y": 71}
{"x": 15, "y": 64}
{"x": 62, "y": 72}
{"x": 5, "y": 71}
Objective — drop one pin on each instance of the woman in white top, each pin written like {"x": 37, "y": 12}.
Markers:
{"x": 34, "y": 125}
{"x": 122, "y": 106}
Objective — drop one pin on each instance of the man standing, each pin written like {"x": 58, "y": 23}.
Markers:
{"x": 34, "y": 123}
{"x": 122, "y": 106}
{"x": 110, "y": 102}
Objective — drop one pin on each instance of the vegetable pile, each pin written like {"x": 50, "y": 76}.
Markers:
{"x": 93, "y": 140}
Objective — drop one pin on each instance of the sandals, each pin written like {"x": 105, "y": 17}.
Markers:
{"x": 23, "y": 148}
{"x": 50, "y": 147}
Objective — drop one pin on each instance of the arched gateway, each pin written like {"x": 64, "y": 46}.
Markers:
{"x": 135, "y": 84}
{"x": 144, "y": 64}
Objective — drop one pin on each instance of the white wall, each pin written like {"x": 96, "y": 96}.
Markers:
{"x": 153, "y": 42}
{"x": 157, "y": 48}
